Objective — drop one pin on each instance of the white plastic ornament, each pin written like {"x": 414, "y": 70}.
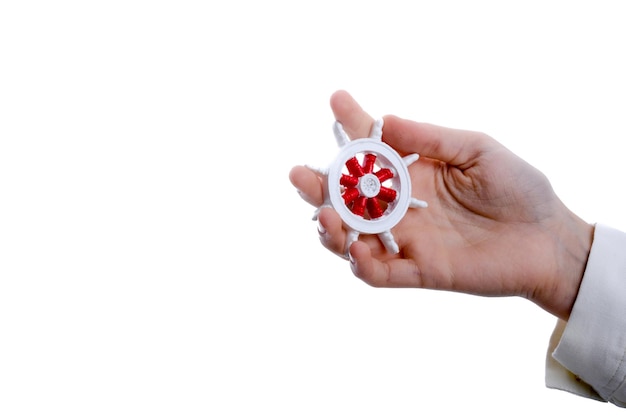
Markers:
{"x": 369, "y": 186}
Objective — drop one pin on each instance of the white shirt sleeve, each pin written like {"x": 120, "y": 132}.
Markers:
{"x": 587, "y": 355}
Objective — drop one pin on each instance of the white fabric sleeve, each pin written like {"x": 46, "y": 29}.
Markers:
{"x": 587, "y": 355}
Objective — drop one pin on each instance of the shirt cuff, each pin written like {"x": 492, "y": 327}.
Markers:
{"x": 591, "y": 346}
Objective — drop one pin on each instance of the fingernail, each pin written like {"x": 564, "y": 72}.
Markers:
{"x": 352, "y": 260}
{"x": 305, "y": 197}
{"x": 321, "y": 230}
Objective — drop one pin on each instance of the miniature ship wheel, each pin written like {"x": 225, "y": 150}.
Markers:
{"x": 369, "y": 186}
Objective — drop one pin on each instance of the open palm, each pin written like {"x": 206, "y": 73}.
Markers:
{"x": 493, "y": 227}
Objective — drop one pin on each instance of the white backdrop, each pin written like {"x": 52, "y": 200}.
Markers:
{"x": 155, "y": 260}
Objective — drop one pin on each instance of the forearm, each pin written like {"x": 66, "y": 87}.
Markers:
{"x": 592, "y": 346}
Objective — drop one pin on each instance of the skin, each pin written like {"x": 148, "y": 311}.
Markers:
{"x": 494, "y": 226}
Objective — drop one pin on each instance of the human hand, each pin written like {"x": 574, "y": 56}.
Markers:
{"x": 494, "y": 225}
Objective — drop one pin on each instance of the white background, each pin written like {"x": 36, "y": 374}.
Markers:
{"x": 155, "y": 260}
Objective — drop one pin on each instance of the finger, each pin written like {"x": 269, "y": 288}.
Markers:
{"x": 356, "y": 122}
{"x": 308, "y": 184}
{"x": 396, "y": 273}
{"x": 332, "y": 234}
{"x": 454, "y": 146}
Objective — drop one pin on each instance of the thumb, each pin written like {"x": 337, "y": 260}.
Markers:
{"x": 453, "y": 146}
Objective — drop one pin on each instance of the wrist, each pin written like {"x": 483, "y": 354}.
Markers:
{"x": 572, "y": 238}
